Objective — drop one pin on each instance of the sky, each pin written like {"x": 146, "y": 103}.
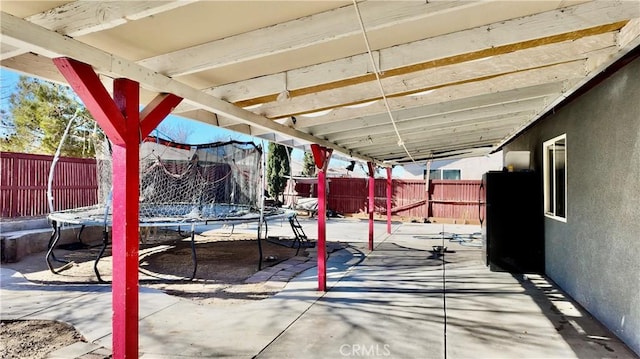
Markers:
{"x": 199, "y": 132}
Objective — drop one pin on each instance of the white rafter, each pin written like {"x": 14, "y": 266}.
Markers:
{"x": 495, "y": 102}
{"x": 551, "y": 23}
{"x": 567, "y": 72}
{"x": 83, "y": 17}
{"x": 439, "y": 78}
{"x": 297, "y": 34}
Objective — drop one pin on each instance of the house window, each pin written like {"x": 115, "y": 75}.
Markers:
{"x": 442, "y": 174}
{"x": 555, "y": 178}
{"x": 451, "y": 174}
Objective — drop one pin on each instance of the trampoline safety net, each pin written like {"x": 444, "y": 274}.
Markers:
{"x": 183, "y": 183}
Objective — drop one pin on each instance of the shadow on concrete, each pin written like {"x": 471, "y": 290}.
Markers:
{"x": 587, "y": 337}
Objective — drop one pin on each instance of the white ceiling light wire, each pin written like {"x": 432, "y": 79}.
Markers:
{"x": 376, "y": 72}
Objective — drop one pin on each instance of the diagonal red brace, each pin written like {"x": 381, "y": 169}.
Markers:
{"x": 321, "y": 156}
{"x": 86, "y": 83}
{"x": 156, "y": 111}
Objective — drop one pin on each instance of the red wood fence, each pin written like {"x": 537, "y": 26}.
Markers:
{"x": 450, "y": 199}
{"x": 23, "y": 184}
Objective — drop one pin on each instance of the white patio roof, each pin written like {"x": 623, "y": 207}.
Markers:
{"x": 431, "y": 79}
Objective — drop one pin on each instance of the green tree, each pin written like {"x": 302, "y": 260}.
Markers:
{"x": 277, "y": 169}
{"x": 308, "y": 165}
{"x": 37, "y": 116}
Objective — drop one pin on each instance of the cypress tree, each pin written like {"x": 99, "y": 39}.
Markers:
{"x": 277, "y": 169}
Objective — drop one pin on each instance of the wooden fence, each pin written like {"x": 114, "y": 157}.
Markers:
{"x": 24, "y": 178}
{"x": 446, "y": 199}
{"x": 23, "y": 185}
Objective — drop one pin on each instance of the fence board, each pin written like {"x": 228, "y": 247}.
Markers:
{"x": 23, "y": 184}
{"x": 456, "y": 199}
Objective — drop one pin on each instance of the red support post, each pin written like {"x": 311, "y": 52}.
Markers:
{"x": 389, "y": 183}
{"x": 121, "y": 121}
{"x": 322, "y": 156}
{"x": 322, "y": 232}
{"x": 126, "y": 163}
{"x": 371, "y": 209}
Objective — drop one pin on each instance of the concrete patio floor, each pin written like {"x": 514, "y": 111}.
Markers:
{"x": 399, "y": 301}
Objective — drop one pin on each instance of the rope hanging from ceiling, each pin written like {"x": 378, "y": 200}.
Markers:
{"x": 376, "y": 72}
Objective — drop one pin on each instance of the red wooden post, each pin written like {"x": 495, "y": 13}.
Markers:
{"x": 120, "y": 120}
{"x": 427, "y": 190}
{"x": 389, "y": 183}
{"x": 322, "y": 234}
{"x": 322, "y": 156}
{"x": 126, "y": 163}
{"x": 371, "y": 209}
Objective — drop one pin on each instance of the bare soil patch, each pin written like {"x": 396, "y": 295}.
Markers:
{"x": 224, "y": 262}
{"x": 34, "y": 338}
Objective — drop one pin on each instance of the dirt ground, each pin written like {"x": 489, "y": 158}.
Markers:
{"x": 36, "y": 338}
{"x": 224, "y": 262}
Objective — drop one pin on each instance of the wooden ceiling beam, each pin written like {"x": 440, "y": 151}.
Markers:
{"x": 354, "y": 128}
{"x": 628, "y": 38}
{"x": 429, "y": 150}
{"x": 379, "y": 144}
{"x": 387, "y": 131}
{"x": 472, "y": 102}
{"x": 451, "y": 152}
{"x": 567, "y": 24}
{"x": 79, "y": 18}
{"x": 7, "y": 51}
{"x": 568, "y": 73}
{"x": 296, "y": 34}
{"x": 438, "y": 77}
{"x": 502, "y": 89}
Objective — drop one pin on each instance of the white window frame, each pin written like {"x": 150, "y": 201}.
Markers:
{"x": 550, "y": 184}
{"x": 440, "y": 172}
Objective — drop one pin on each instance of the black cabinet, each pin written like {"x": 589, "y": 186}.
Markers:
{"x": 513, "y": 236}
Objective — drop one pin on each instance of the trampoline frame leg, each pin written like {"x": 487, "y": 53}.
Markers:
{"x": 53, "y": 241}
{"x": 266, "y": 232}
{"x": 105, "y": 242}
{"x": 79, "y": 236}
{"x": 194, "y": 256}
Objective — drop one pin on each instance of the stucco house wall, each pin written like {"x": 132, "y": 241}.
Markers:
{"x": 595, "y": 255}
{"x": 470, "y": 168}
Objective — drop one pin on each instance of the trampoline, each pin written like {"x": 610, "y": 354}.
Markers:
{"x": 180, "y": 186}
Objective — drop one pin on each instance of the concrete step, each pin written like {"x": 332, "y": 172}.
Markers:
{"x": 22, "y": 224}
{"x": 17, "y": 244}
